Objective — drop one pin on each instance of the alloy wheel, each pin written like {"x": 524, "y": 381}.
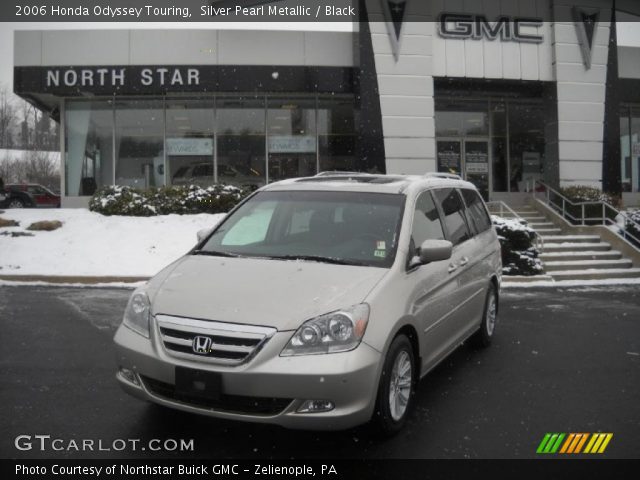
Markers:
{"x": 491, "y": 314}
{"x": 400, "y": 385}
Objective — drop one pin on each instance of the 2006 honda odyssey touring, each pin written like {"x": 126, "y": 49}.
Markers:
{"x": 317, "y": 303}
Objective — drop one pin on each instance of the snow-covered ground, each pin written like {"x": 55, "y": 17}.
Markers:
{"x": 90, "y": 244}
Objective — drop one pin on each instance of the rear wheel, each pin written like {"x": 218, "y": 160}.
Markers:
{"x": 396, "y": 389}
{"x": 482, "y": 338}
{"x": 16, "y": 203}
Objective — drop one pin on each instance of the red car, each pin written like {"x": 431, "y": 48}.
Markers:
{"x": 41, "y": 195}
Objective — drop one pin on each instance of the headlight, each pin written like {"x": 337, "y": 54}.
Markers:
{"x": 334, "y": 332}
{"x": 136, "y": 316}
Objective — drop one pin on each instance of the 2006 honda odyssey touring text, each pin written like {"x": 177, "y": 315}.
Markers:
{"x": 317, "y": 303}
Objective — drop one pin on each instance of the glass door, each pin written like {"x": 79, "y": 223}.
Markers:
{"x": 476, "y": 165}
{"x": 467, "y": 158}
{"x": 449, "y": 156}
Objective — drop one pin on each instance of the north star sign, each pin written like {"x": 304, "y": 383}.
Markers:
{"x": 117, "y": 77}
{"x": 477, "y": 27}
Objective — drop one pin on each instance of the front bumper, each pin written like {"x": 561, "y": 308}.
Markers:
{"x": 348, "y": 379}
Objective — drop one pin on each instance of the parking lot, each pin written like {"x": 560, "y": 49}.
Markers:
{"x": 564, "y": 360}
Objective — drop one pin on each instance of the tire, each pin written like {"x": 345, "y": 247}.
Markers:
{"x": 396, "y": 384}
{"x": 16, "y": 203}
{"x": 483, "y": 337}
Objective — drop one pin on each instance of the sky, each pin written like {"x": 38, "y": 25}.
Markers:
{"x": 628, "y": 33}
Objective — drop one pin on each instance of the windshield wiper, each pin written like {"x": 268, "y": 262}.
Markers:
{"x": 318, "y": 258}
{"x": 215, "y": 253}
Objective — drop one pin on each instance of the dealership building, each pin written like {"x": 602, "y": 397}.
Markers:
{"x": 504, "y": 99}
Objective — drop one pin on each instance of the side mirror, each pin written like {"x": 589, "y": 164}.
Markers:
{"x": 204, "y": 233}
{"x": 435, "y": 251}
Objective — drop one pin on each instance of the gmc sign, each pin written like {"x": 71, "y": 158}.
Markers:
{"x": 476, "y": 27}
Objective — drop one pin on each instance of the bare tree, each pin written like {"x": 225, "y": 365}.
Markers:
{"x": 41, "y": 167}
{"x": 6, "y": 168}
{"x": 26, "y": 129}
{"x": 8, "y": 117}
{"x": 12, "y": 170}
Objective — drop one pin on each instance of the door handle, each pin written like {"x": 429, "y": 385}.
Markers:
{"x": 464, "y": 261}
{"x": 452, "y": 267}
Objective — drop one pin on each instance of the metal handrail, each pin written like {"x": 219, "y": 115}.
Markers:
{"x": 582, "y": 219}
{"x": 503, "y": 206}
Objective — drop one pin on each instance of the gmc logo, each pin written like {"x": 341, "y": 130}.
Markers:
{"x": 459, "y": 25}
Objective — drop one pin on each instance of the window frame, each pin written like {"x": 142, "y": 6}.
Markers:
{"x": 443, "y": 216}
{"x": 470, "y": 217}
{"x": 411, "y": 254}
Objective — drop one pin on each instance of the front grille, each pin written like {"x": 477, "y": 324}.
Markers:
{"x": 226, "y": 403}
{"x": 219, "y": 342}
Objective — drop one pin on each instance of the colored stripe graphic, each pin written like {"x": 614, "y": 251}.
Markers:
{"x": 591, "y": 442}
{"x": 598, "y": 442}
{"x": 543, "y": 443}
{"x": 569, "y": 441}
{"x": 573, "y": 443}
{"x": 550, "y": 443}
{"x": 555, "y": 447}
{"x": 583, "y": 439}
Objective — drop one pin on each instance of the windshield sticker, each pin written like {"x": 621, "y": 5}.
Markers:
{"x": 380, "y": 253}
{"x": 381, "y": 245}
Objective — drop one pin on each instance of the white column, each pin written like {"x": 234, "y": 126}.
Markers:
{"x": 581, "y": 101}
{"x": 76, "y": 126}
{"x": 406, "y": 91}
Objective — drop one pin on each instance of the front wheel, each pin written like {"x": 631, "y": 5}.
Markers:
{"x": 482, "y": 338}
{"x": 396, "y": 389}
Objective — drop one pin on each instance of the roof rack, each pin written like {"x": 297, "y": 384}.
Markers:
{"x": 452, "y": 176}
{"x": 336, "y": 173}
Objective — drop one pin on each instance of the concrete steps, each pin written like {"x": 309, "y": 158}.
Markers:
{"x": 553, "y": 266}
{"x": 547, "y": 231}
{"x": 533, "y": 218}
{"x": 571, "y": 238}
{"x": 604, "y": 274}
{"x": 580, "y": 255}
{"x": 575, "y": 247}
{"x": 575, "y": 257}
{"x": 537, "y": 225}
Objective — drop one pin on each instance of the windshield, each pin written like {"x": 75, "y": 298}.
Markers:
{"x": 349, "y": 228}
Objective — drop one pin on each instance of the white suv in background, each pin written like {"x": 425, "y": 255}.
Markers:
{"x": 317, "y": 303}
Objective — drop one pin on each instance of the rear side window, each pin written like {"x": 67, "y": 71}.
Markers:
{"x": 426, "y": 222}
{"x": 476, "y": 212}
{"x": 454, "y": 215}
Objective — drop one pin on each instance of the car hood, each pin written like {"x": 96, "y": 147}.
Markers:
{"x": 275, "y": 293}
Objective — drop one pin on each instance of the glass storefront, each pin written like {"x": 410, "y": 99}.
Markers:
{"x": 241, "y": 146}
{"x": 89, "y": 129}
{"x": 498, "y": 144}
{"x": 139, "y": 133}
{"x": 630, "y": 148}
{"x": 240, "y": 140}
{"x": 291, "y": 137}
{"x": 189, "y": 142}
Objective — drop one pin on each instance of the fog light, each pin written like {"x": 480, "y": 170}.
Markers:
{"x": 316, "y": 406}
{"x": 129, "y": 375}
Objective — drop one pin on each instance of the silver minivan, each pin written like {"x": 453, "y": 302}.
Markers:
{"x": 317, "y": 303}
